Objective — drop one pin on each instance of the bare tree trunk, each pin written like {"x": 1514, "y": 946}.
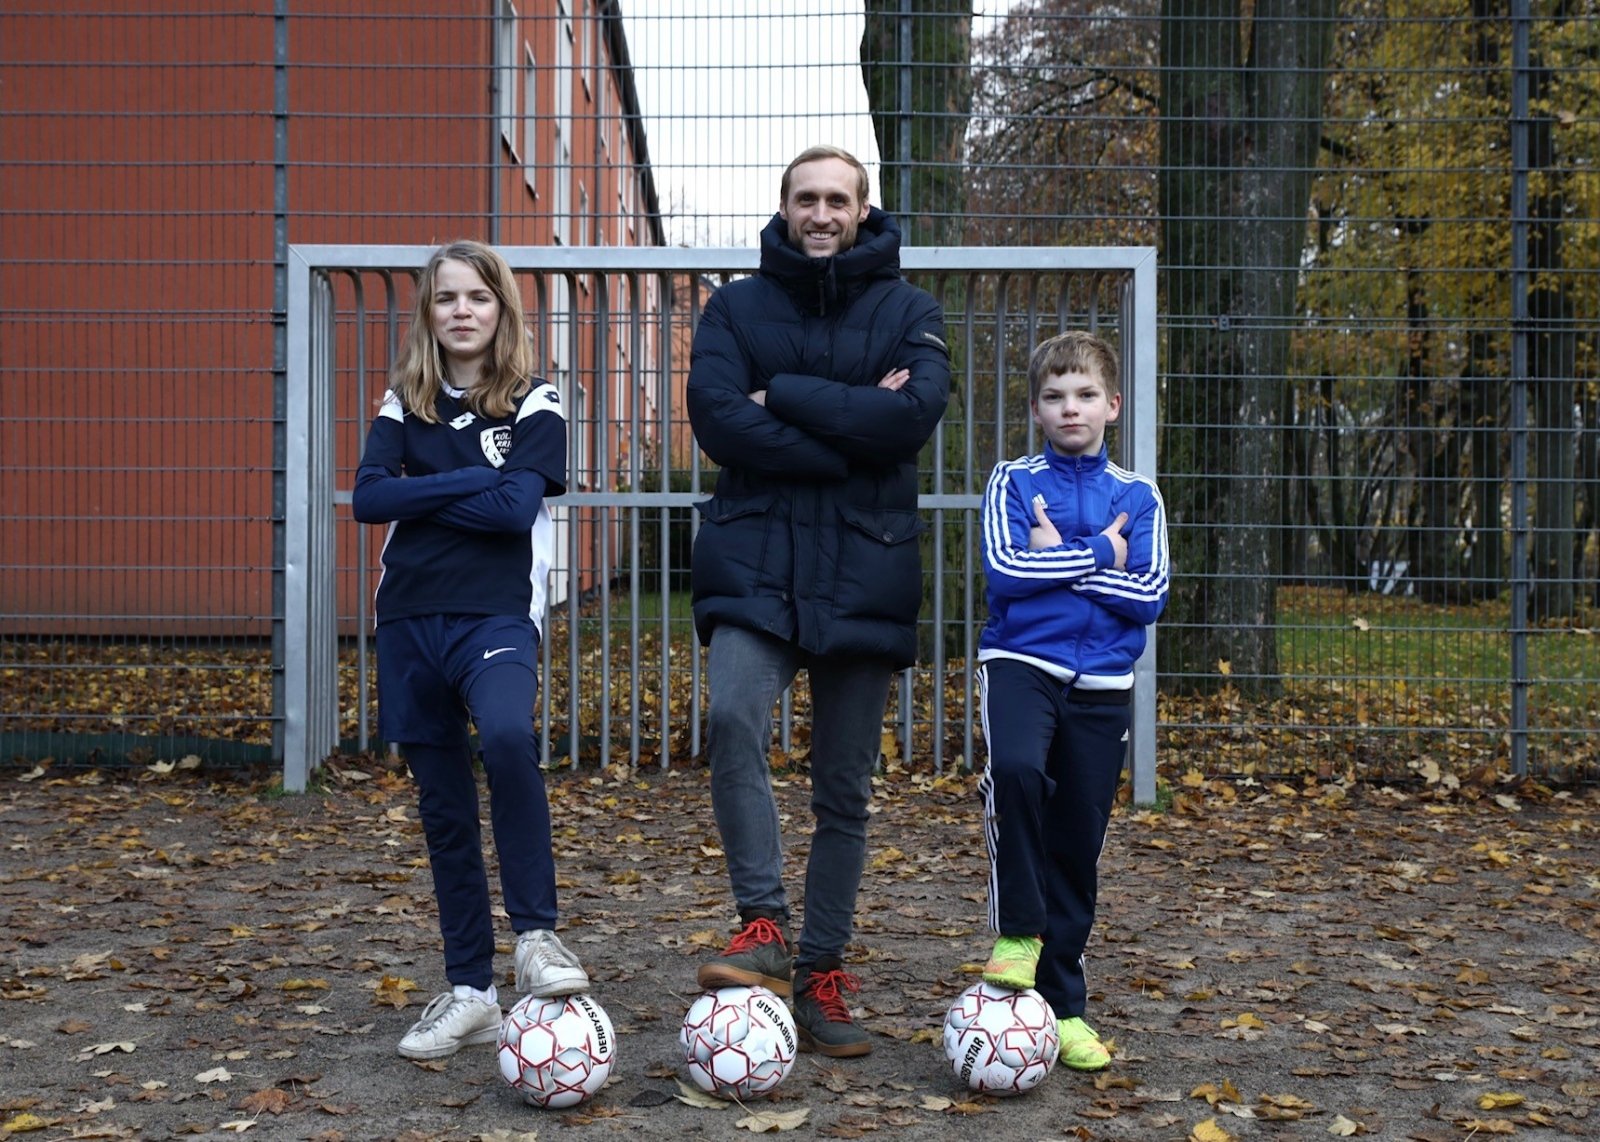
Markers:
{"x": 1589, "y": 490}
{"x": 1341, "y": 533}
{"x": 1553, "y": 364}
{"x": 919, "y": 64}
{"x": 1239, "y": 138}
{"x": 1482, "y": 414}
{"x": 1432, "y": 437}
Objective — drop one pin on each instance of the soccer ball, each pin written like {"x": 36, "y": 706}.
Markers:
{"x": 1000, "y": 1041}
{"x": 738, "y": 1041}
{"x": 557, "y": 1052}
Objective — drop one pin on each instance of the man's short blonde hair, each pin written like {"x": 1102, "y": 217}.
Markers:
{"x": 813, "y": 154}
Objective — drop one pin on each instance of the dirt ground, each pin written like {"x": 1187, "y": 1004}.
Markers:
{"x": 184, "y": 956}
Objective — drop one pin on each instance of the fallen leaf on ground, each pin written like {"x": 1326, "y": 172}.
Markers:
{"x": 391, "y": 990}
{"x": 105, "y": 1049}
{"x": 23, "y": 1123}
{"x": 1209, "y": 1131}
{"x": 771, "y": 1121}
{"x": 694, "y": 1096}
{"x": 269, "y": 1101}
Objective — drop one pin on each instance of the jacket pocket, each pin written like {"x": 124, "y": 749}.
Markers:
{"x": 879, "y": 570}
{"x": 723, "y": 509}
{"x": 732, "y": 552}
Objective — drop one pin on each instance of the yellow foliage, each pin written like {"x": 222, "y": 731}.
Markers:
{"x": 23, "y": 1123}
{"x": 1209, "y": 1131}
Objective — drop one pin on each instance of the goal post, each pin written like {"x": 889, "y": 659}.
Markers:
{"x": 620, "y": 351}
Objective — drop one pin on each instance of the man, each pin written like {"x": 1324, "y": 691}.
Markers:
{"x": 813, "y": 385}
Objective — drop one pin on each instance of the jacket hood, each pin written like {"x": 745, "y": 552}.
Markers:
{"x": 818, "y": 285}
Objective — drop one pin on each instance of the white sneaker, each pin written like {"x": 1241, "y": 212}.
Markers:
{"x": 449, "y": 1023}
{"x": 545, "y": 967}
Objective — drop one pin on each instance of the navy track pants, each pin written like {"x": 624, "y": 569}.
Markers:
{"x": 1055, "y": 759}
{"x": 434, "y": 673}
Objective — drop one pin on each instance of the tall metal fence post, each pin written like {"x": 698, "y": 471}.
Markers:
{"x": 292, "y": 712}
{"x": 1520, "y": 335}
{"x": 1139, "y": 361}
{"x": 280, "y": 311}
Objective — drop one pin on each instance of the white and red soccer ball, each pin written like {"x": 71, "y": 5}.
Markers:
{"x": 738, "y": 1041}
{"x": 557, "y": 1052}
{"x": 1000, "y": 1041}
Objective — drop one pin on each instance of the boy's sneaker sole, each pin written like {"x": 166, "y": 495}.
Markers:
{"x": 1081, "y": 1048}
{"x": 1014, "y": 963}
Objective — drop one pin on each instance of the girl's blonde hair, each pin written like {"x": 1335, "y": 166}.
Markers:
{"x": 419, "y": 374}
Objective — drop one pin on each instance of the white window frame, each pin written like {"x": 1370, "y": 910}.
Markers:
{"x": 586, "y": 43}
{"x": 561, "y": 160}
{"x": 576, "y": 401}
{"x": 530, "y": 120}
{"x": 564, "y": 375}
{"x": 505, "y": 65}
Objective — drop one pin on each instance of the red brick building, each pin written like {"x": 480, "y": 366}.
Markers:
{"x": 155, "y": 166}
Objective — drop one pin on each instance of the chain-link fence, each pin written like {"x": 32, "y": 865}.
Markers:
{"x": 1378, "y": 227}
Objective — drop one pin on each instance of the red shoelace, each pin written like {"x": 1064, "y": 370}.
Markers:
{"x": 827, "y": 989}
{"x": 758, "y": 931}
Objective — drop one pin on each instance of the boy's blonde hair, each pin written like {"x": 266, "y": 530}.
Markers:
{"x": 1076, "y": 351}
{"x": 419, "y": 374}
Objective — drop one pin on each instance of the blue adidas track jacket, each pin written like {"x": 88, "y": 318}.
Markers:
{"x": 1066, "y": 609}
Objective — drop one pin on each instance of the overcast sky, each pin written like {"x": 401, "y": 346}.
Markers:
{"x": 733, "y": 89}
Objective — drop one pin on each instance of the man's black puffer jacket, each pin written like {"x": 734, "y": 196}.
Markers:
{"x": 812, "y": 532}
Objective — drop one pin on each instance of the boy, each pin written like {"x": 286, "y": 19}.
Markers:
{"x": 1075, "y": 557}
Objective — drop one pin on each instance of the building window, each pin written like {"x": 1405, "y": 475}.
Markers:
{"x": 561, "y": 198}
{"x": 578, "y": 435}
{"x": 530, "y": 122}
{"x": 573, "y": 396}
{"x": 505, "y": 68}
{"x": 586, "y": 38}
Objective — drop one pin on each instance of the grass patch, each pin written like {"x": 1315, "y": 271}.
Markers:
{"x": 316, "y": 786}
{"x": 678, "y": 607}
{"x": 1375, "y": 682}
{"x": 1327, "y": 634}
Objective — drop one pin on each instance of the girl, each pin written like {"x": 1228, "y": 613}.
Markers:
{"x": 463, "y": 453}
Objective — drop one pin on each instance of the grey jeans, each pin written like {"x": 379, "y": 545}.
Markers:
{"x": 746, "y": 674}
